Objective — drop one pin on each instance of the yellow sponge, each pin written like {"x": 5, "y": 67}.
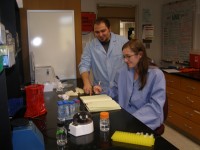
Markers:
{"x": 133, "y": 138}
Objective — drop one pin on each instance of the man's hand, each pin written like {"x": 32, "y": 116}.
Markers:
{"x": 97, "y": 89}
{"x": 87, "y": 88}
{"x": 87, "y": 84}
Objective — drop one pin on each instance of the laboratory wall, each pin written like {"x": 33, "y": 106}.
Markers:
{"x": 196, "y": 27}
{"x": 154, "y": 9}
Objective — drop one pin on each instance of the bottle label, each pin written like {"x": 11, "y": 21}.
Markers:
{"x": 104, "y": 125}
{"x": 59, "y": 132}
{"x": 61, "y": 136}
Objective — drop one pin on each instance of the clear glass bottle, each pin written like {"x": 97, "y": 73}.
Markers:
{"x": 61, "y": 134}
{"x": 104, "y": 121}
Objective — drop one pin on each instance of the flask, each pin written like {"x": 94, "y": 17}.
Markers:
{"x": 104, "y": 121}
{"x": 61, "y": 134}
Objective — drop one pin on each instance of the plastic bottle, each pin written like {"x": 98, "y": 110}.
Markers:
{"x": 61, "y": 111}
{"x": 77, "y": 105}
{"x": 9, "y": 38}
{"x": 104, "y": 121}
{"x": 105, "y": 140}
{"x": 71, "y": 109}
{"x": 66, "y": 109}
{"x": 61, "y": 134}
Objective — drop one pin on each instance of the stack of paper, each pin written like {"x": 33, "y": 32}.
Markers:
{"x": 171, "y": 70}
{"x": 97, "y": 103}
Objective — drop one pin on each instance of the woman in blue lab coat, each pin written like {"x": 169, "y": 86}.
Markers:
{"x": 139, "y": 87}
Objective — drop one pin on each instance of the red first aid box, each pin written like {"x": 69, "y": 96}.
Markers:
{"x": 87, "y": 20}
{"x": 195, "y": 60}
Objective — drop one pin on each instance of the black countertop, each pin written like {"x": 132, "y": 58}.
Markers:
{"x": 190, "y": 75}
{"x": 195, "y": 75}
{"x": 120, "y": 121}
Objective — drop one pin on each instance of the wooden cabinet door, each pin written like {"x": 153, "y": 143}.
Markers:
{"x": 184, "y": 124}
{"x": 172, "y": 81}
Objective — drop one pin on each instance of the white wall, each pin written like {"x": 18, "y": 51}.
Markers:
{"x": 155, "y": 10}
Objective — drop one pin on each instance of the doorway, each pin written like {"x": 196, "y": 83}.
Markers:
{"x": 122, "y": 18}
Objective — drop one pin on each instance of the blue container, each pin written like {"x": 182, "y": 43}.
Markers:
{"x": 27, "y": 138}
{"x": 14, "y": 104}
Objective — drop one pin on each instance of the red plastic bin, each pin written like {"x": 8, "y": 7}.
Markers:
{"x": 195, "y": 60}
{"x": 35, "y": 105}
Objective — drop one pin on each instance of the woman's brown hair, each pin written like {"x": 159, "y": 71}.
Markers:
{"x": 137, "y": 47}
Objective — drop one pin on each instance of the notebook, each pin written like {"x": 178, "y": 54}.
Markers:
{"x": 96, "y": 103}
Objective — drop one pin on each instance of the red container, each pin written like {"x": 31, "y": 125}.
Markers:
{"x": 87, "y": 20}
{"x": 35, "y": 105}
{"x": 195, "y": 60}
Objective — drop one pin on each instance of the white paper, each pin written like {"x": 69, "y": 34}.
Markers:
{"x": 171, "y": 70}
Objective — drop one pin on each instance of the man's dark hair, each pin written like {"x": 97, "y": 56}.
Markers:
{"x": 102, "y": 20}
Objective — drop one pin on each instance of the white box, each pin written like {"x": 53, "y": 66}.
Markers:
{"x": 44, "y": 74}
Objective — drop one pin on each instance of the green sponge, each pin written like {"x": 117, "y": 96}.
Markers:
{"x": 133, "y": 138}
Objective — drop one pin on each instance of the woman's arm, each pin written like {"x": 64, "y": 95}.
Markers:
{"x": 151, "y": 113}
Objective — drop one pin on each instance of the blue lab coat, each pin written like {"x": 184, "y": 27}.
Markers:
{"x": 103, "y": 65}
{"x": 146, "y": 104}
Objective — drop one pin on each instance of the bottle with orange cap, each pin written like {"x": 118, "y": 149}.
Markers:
{"x": 104, "y": 121}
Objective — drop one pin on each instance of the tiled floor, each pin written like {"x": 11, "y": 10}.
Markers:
{"x": 178, "y": 140}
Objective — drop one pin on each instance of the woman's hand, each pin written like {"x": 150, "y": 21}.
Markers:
{"x": 97, "y": 89}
